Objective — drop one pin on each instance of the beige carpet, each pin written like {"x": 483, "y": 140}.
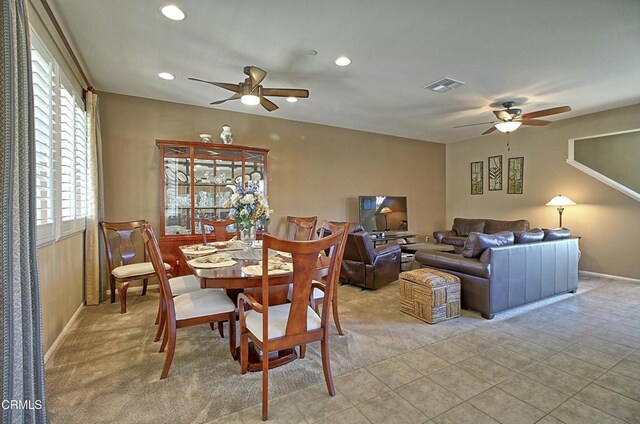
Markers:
{"x": 108, "y": 367}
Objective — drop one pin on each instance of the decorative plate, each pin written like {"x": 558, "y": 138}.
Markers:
{"x": 256, "y": 176}
{"x": 182, "y": 177}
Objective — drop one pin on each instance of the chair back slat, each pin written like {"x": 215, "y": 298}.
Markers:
{"x": 126, "y": 249}
{"x": 219, "y": 228}
{"x": 300, "y": 228}
{"x": 305, "y": 266}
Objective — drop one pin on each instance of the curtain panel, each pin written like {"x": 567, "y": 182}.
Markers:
{"x": 22, "y": 384}
{"x": 93, "y": 275}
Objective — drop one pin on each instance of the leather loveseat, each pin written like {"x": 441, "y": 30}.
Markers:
{"x": 364, "y": 265}
{"x": 463, "y": 226}
{"x": 518, "y": 269}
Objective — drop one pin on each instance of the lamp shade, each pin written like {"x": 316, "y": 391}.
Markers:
{"x": 561, "y": 200}
{"x": 508, "y": 126}
{"x": 386, "y": 210}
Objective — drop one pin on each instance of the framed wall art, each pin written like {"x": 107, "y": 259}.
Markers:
{"x": 477, "y": 180}
{"x": 515, "y": 182}
{"x": 495, "y": 173}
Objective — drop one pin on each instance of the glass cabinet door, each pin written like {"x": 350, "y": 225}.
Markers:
{"x": 255, "y": 169}
{"x": 177, "y": 196}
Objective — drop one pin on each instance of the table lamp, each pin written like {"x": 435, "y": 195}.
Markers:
{"x": 560, "y": 201}
{"x": 385, "y": 211}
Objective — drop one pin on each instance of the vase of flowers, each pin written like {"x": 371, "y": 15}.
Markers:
{"x": 248, "y": 207}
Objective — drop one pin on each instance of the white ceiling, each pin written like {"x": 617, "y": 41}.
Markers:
{"x": 547, "y": 53}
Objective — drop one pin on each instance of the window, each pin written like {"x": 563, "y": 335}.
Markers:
{"x": 61, "y": 149}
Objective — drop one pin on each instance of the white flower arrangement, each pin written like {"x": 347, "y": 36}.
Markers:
{"x": 247, "y": 205}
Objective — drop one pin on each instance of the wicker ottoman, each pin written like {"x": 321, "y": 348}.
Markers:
{"x": 430, "y": 295}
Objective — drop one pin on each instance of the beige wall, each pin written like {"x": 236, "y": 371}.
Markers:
{"x": 607, "y": 220}
{"x": 61, "y": 263}
{"x": 313, "y": 169}
{"x": 614, "y": 156}
{"x": 61, "y": 284}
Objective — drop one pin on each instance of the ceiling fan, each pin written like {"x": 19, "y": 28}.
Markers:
{"x": 510, "y": 119}
{"x": 250, "y": 92}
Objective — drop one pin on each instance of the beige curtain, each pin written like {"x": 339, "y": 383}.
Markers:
{"x": 94, "y": 203}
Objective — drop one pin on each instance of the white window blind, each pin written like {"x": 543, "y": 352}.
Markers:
{"x": 43, "y": 88}
{"x": 61, "y": 149}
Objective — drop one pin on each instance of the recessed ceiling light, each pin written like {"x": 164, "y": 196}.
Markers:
{"x": 292, "y": 99}
{"x": 172, "y": 12}
{"x": 166, "y": 76}
{"x": 343, "y": 61}
{"x": 310, "y": 52}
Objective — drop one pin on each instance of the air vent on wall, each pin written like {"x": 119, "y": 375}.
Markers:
{"x": 443, "y": 85}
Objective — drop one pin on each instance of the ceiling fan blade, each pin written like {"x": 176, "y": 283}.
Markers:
{"x": 471, "y": 125}
{"x": 546, "y": 112}
{"x": 268, "y": 104}
{"x": 256, "y": 75}
{"x": 536, "y": 122}
{"x": 219, "y": 102}
{"x": 489, "y": 131}
{"x": 286, "y": 92}
{"x": 502, "y": 115}
{"x": 226, "y": 86}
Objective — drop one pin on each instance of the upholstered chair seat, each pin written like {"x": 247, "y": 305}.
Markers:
{"x": 134, "y": 270}
{"x": 202, "y": 302}
{"x": 278, "y": 317}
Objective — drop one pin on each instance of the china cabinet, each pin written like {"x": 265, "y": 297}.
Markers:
{"x": 194, "y": 184}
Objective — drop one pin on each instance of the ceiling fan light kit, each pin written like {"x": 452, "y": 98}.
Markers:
{"x": 508, "y": 126}
{"x": 250, "y": 99}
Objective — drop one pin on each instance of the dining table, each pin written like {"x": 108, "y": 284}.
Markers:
{"x": 235, "y": 280}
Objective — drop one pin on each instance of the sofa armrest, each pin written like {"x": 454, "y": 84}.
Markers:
{"x": 385, "y": 249}
{"x": 439, "y": 235}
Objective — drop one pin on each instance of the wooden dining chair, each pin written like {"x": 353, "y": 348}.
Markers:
{"x": 318, "y": 296}
{"x": 204, "y": 306}
{"x": 121, "y": 259}
{"x": 300, "y": 228}
{"x": 219, "y": 228}
{"x": 276, "y": 327}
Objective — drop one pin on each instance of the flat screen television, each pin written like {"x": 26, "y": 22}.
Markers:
{"x": 383, "y": 213}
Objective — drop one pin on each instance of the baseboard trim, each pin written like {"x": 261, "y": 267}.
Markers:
{"x": 136, "y": 289}
{"x": 62, "y": 334}
{"x": 618, "y": 277}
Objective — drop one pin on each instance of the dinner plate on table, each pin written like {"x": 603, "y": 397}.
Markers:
{"x": 199, "y": 249}
{"x": 256, "y": 270}
{"x": 194, "y": 263}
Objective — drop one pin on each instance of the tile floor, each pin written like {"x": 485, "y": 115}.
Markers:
{"x": 572, "y": 361}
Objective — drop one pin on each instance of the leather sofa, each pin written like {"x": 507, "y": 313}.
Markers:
{"x": 510, "y": 275}
{"x": 366, "y": 266}
{"x": 463, "y": 226}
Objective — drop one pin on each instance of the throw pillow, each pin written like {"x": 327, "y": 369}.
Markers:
{"x": 556, "y": 234}
{"x": 477, "y": 242}
{"x": 532, "y": 236}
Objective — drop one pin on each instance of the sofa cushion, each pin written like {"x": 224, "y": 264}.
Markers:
{"x": 454, "y": 241}
{"x": 465, "y": 226}
{"x": 492, "y": 226}
{"x": 477, "y": 242}
{"x": 452, "y": 262}
{"x": 532, "y": 236}
{"x": 556, "y": 234}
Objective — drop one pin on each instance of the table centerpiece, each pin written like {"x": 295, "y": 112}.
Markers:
{"x": 248, "y": 206}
